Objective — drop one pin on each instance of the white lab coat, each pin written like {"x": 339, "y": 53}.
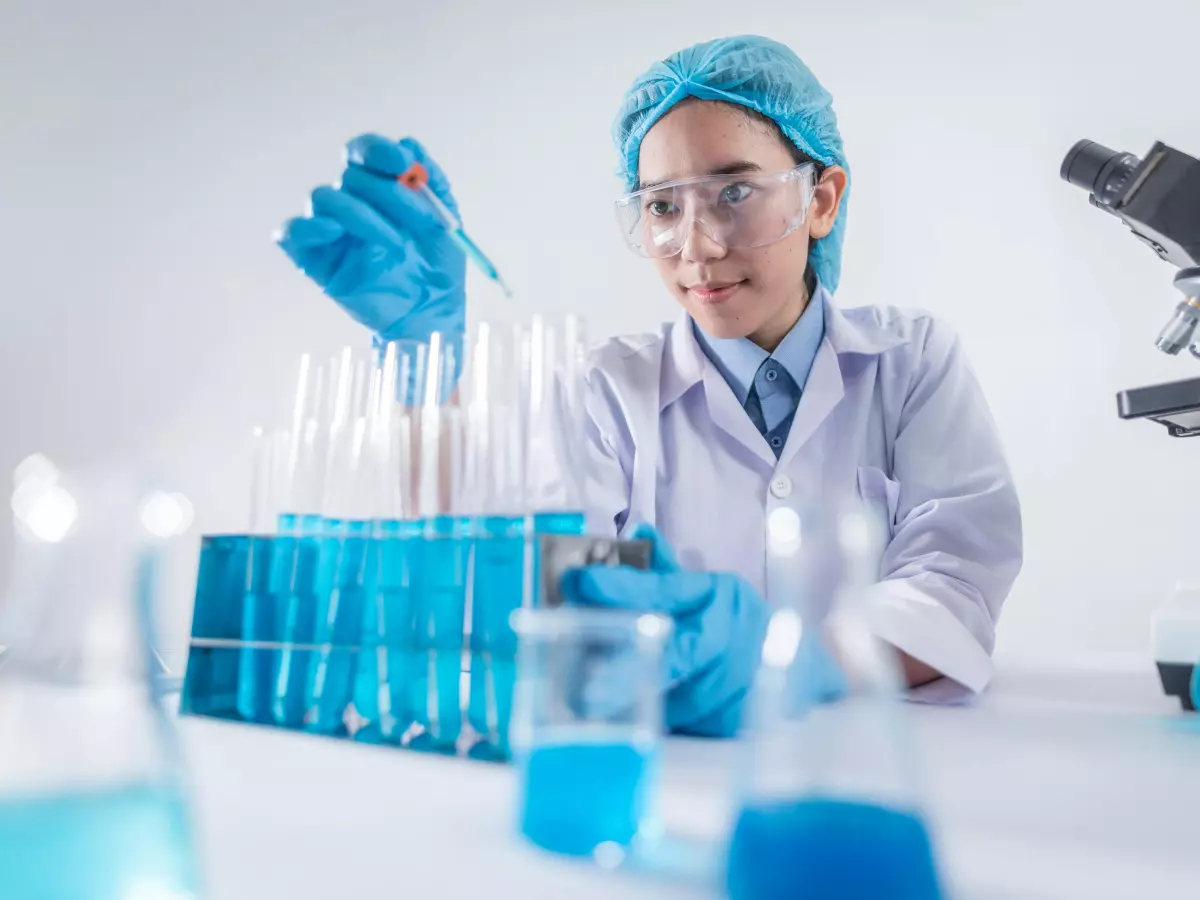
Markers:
{"x": 891, "y": 411}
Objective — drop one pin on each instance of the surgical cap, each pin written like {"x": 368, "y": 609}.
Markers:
{"x": 754, "y": 72}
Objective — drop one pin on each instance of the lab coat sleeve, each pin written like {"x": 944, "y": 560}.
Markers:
{"x": 606, "y": 457}
{"x": 955, "y": 549}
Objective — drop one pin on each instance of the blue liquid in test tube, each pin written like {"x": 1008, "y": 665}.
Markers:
{"x": 440, "y": 602}
{"x": 382, "y": 692}
{"x": 293, "y": 579}
{"x": 211, "y": 683}
{"x": 560, "y": 522}
{"x": 836, "y": 849}
{"x": 262, "y": 622}
{"x": 497, "y": 588}
{"x": 578, "y": 796}
{"x": 343, "y": 583}
{"x": 100, "y": 845}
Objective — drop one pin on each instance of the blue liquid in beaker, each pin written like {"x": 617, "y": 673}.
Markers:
{"x": 831, "y": 850}
{"x": 497, "y": 586}
{"x": 440, "y": 600}
{"x": 104, "y": 845}
{"x": 344, "y": 579}
{"x": 578, "y": 796}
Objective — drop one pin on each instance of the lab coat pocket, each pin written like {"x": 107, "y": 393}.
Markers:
{"x": 880, "y": 494}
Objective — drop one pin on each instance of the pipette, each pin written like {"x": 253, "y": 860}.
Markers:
{"x": 417, "y": 179}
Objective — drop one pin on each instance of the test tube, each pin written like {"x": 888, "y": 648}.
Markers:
{"x": 495, "y": 488}
{"x": 587, "y": 729}
{"x": 441, "y": 575}
{"x": 556, "y": 417}
{"x": 297, "y": 547}
{"x": 832, "y": 799}
{"x": 384, "y": 675}
{"x": 345, "y": 563}
{"x": 262, "y": 606}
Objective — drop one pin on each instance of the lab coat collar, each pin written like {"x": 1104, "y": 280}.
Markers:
{"x": 687, "y": 363}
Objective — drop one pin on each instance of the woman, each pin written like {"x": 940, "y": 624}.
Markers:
{"x": 762, "y": 398}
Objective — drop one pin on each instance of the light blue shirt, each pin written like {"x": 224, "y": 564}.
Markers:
{"x": 778, "y": 377}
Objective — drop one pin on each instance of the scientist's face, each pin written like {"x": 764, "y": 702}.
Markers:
{"x": 757, "y": 293}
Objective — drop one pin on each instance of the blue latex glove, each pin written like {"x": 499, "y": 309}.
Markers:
{"x": 377, "y": 248}
{"x": 713, "y": 653}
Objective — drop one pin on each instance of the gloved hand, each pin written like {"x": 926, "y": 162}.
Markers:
{"x": 713, "y": 653}
{"x": 377, "y": 248}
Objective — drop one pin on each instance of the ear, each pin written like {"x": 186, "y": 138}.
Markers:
{"x": 827, "y": 199}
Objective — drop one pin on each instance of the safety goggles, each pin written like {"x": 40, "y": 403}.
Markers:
{"x": 735, "y": 211}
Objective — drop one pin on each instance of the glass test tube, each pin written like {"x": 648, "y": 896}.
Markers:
{"x": 495, "y": 489}
{"x": 587, "y": 729}
{"x": 441, "y": 574}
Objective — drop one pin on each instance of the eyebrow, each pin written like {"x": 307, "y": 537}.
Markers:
{"x": 734, "y": 168}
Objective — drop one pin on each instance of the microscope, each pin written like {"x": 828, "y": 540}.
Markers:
{"x": 1158, "y": 197}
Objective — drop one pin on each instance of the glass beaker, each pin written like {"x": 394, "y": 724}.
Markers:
{"x": 91, "y": 803}
{"x": 587, "y": 727}
{"x": 832, "y": 801}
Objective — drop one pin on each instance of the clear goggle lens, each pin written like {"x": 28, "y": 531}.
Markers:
{"x": 735, "y": 211}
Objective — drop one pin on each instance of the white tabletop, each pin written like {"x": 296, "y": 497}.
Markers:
{"x": 1060, "y": 783}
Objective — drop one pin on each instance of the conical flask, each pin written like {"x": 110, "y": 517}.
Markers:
{"x": 832, "y": 805}
{"x": 91, "y": 804}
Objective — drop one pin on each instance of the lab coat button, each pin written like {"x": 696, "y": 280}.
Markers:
{"x": 781, "y": 487}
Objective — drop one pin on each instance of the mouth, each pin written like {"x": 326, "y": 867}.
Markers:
{"x": 715, "y": 291}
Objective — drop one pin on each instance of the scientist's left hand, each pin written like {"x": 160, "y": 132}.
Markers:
{"x": 713, "y": 652}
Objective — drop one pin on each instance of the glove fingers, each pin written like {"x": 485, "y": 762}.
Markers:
{"x": 403, "y": 207}
{"x": 357, "y": 217}
{"x": 623, "y": 587}
{"x": 375, "y": 152}
{"x": 303, "y": 233}
{"x": 438, "y": 182}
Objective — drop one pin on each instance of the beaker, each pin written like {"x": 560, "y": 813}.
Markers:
{"x": 832, "y": 798}
{"x": 587, "y": 727}
{"x": 91, "y": 801}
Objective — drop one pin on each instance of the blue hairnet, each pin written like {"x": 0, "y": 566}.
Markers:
{"x": 751, "y": 71}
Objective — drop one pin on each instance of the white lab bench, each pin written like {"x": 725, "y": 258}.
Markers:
{"x": 1062, "y": 782}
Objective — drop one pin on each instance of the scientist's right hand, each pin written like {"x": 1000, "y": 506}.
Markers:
{"x": 377, "y": 248}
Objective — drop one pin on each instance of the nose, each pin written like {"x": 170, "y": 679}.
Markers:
{"x": 698, "y": 245}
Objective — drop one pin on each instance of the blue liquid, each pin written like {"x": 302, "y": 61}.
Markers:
{"x": 343, "y": 584}
{"x": 111, "y": 845}
{"x": 440, "y": 606}
{"x": 497, "y": 587}
{"x": 210, "y": 685}
{"x": 830, "y": 850}
{"x": 262, "y": 620}
{"x": 576, "y": 796}
{"x": 293, "y": 579}
{"x": 382, "y": 682}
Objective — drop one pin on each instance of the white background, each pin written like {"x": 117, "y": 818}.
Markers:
{"x": 149, "y": 149}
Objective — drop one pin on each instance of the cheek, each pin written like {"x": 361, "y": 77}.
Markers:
{"x": 781, "y": 266}
{"x": 666, "y": 269}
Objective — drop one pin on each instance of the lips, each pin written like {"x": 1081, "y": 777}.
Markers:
{"x": 715, "y": 291}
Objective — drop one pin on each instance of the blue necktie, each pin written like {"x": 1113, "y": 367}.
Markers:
{"x": 774, "y": 379}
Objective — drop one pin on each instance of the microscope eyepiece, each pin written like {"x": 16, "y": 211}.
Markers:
{"x": 1099, "y": 170}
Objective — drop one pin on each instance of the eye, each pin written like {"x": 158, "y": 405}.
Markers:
{"x": 736, "y": 192}
{"x": 659, "y": 208}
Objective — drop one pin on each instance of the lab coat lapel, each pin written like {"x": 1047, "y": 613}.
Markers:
{"x": 822, "y": 392}
{"x": 691, "y": 365}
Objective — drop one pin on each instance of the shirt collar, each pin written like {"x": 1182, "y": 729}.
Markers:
{"x": 845, "y": 335}
{"x": 738, "y": 359}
